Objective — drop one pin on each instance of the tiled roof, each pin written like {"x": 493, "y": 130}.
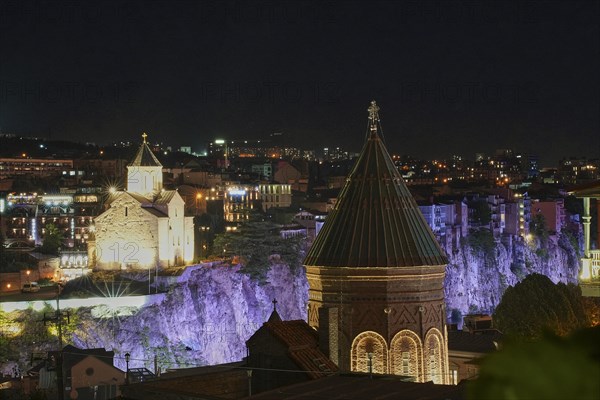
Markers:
{"x": 302, "y": 343}
{"x": 219, "y": 382}
{"x": 156, "y": 212}
{"x": 313, "y": 362}
{"x": 294, "y": 334}
{"x": 147, "y": 205}
{"x": 356, "y": 386}
{"x": 479, "y": 342}
{"x": 165, "y": 197}
{"x": 145, "y": 158}
{"x": 376, "y": 222}
{"x": 141, "y": 199}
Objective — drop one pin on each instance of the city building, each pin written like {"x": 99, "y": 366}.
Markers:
{"x": 99, "y": 168}
{"x": 575, "y": 171}
{"x": 239, "y": 201}
{"x": 86, "y": 374}
{"x": 553, "y": 212}
{"x": 589, "y": 278}
{"x": 27, "y": 216}
{"x": 275, "y": 195}
{"x": 376, "y": 275}
{"x": 264, "y": 171}
{"x": 497, "y": 214}
{"x": 467, "y": 347}
{"x": 34, "y": 167}
{"x": 144, "y": 226}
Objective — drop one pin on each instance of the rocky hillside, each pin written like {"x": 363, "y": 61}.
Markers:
{"x": 478, "y": 274}
{"x": 206, "y": 317}
{"x": 210, "y": 311}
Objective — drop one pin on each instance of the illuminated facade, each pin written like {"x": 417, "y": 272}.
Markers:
{"x": 376, "y": 275}
{"x": 145, "y": 226}
{"x": 28, "y": 215}
{"x": 275, "y": 195}
{"x": 238, "y": 202}
{"x": 38, "y": 167}
{"x": 589, "y": 278}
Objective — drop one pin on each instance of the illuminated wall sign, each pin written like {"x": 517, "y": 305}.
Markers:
{"x": 237, "y": 192}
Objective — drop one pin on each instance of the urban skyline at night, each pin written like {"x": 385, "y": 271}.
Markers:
{"x": 454, "y": 78}
{"x": 299, "y": 199}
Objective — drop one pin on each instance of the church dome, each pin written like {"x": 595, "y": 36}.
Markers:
{"x": 376, "y": 221}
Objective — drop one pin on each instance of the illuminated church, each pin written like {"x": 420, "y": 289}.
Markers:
{"x": 145, "y": 226}
{"x": 376, "y": 275}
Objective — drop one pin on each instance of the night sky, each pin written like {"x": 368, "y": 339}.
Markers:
{"x": 451, "y": 77}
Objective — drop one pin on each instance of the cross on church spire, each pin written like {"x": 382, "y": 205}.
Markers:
{"x": 274, "y": 304}
{"x": 144, "y": 136}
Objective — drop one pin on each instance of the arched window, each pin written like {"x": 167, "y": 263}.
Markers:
{"x": 406, "y": 355}
{"x": 369, "y": 349}
{"x": 435, "y": 357}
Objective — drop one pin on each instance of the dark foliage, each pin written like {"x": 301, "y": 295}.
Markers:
{"x": 552, "y": 368}
{"x": 536, "y": 305}
{"x": 255, "y": 245}
{"x": 52, "y": 240}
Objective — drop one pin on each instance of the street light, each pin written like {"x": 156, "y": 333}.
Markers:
{"x": 127, "y": 355}
{"x": 249, "y": 373}
{"x": 198, "y": 199}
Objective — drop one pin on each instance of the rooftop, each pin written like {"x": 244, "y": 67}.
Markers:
{"x": 145, "y": 157}
{"x": 376, "y": 222}
{"x": 356, "y": 386}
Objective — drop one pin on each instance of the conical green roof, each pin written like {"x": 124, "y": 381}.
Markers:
{"x": 145, "y": 157}
{"x": 376, "y": 222}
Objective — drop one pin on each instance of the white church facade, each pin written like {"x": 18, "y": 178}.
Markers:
{"x": 145, "y": 225}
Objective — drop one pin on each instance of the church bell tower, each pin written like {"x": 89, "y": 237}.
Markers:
{"x": 144, "y": 173}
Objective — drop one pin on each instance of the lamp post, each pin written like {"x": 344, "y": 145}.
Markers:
{"x": 249, "y": 372}
{"x": 198, "y": 200}
{"x": 370, "y": 355}
{"x": 205, "y": 230}
{"x": 127, "y": 356}
{"x": 28, "y": 273}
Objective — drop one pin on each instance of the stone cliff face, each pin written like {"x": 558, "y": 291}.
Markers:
{"x": 205, "y": 319}
{"x": 212, "y": 309}
{"x": 475, "y": 281}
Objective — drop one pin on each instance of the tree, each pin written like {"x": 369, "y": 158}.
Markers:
{"x": 552, "y": 368}
{"x": 536, "y": 305}
{"x": 538, "y": 227}
{"x": 52, "y": 240}
{"x": 481, "y": 211}
{"x": 254, "y": 244}
{"x": 482, "y": 240}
